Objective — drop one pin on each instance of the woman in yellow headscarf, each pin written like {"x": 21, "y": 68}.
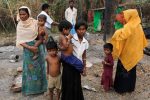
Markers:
{"x": 34, "y": 72}
{"x": 128, "y": 43}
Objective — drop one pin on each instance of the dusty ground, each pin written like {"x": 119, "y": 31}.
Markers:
{"x": 95, "y": 55}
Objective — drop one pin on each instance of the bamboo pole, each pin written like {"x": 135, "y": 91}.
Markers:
{"x": 3, "y": 26}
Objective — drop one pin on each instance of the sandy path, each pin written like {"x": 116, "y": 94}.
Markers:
{"x": 95, "y": 55}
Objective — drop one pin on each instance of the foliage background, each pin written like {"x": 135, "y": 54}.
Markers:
{"x": 8, "y": 10}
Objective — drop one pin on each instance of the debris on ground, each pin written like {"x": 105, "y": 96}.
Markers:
{"x": 14, "y": 58}
{"x": 89, "y": 88}
{"x": 17, "y": 81}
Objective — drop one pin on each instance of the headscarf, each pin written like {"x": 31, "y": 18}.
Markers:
{"x": 117, "y": 24}
{"x": 26, "y": 30}
{"x": 129, "y": 41}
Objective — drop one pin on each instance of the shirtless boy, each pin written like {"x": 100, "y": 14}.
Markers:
{"x": 53, "y": 69}
{"x": 66, "y": 46}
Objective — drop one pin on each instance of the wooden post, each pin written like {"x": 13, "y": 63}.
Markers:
{"x": 110, "y": 6}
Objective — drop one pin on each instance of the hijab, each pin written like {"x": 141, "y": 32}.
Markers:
{"x": 129, "y": 41}
{"x": 26, "y": 30}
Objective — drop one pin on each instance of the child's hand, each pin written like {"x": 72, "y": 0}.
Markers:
{"x": 34, "y": 49}
{"x": 69, "y": 37}
{"x": 47, "y": 76}
{"x": 103, "y": 62}
{"x": 42, "y": 32}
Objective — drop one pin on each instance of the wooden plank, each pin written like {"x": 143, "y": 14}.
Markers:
{"x": 99, "y": 8}
{"x": 103, "y": 8}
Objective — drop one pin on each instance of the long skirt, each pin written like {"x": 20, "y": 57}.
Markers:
{"x": 71, "y": 83}
{"x": 34, "y": 71}
{"x": 124, "y": 81}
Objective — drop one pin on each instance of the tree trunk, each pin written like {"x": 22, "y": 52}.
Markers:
{"x": 51, "y": 1}
{"x": 109, "y": 17}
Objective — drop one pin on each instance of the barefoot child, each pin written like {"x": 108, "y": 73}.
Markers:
{"x": 53, "y": 69}
{"x": 42, "y": 35}
{"x": 80, "y": 44}
{"x": 108, "y": 63}
{"x": 66, "y": 46}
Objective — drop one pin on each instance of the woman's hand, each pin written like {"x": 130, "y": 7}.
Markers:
{"x": 33, "y": 49}
{"x": 84, "y": 71}
{"x": 44, "y": 41}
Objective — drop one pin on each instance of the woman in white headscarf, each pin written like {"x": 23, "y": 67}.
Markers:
{"x": 34, "y": 73}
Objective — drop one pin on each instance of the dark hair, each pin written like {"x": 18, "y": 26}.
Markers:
{"x": 51, "y": 44}
{"x": 108, "y": 46}
{"x": 24, "y": 9}
{"x": 71, "y": 1}
{"x": 45, "y": 6}
{"x": 81, "y": 23}
{"x": 41, "y": 16}
{"x": 64, "y": 25}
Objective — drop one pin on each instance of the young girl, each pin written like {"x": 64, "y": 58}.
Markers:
{"x": 71, "y": 78}
{"x": 42, "y": 35}
{"x": 108, "y": 63}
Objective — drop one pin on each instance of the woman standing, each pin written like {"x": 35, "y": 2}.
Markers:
{"x": 34, "y": 73}
{"x": 128, "y": 43}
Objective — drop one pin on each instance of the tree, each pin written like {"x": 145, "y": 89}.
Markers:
{"x": 110, "y": 6}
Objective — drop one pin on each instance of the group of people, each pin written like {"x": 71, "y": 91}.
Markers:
{"x": 44, "y": 68}
{"x": 126, "y": 45}
{"x": 39, "y": 48}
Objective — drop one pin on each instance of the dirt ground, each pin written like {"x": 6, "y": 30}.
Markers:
{"x": 94, "y": 55}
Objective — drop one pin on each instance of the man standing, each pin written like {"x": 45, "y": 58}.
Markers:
{"x": 71, "y": 15}
{"x": 49, "y": 21}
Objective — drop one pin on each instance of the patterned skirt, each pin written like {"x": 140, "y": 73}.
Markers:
{"x": 34, "y": 71}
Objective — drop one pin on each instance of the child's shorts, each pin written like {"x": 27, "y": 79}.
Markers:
{"x": 54, "y": 82}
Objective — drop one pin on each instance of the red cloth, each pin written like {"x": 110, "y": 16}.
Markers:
{"x": 107, "y": 80}
{"x": 90, "y": 16}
